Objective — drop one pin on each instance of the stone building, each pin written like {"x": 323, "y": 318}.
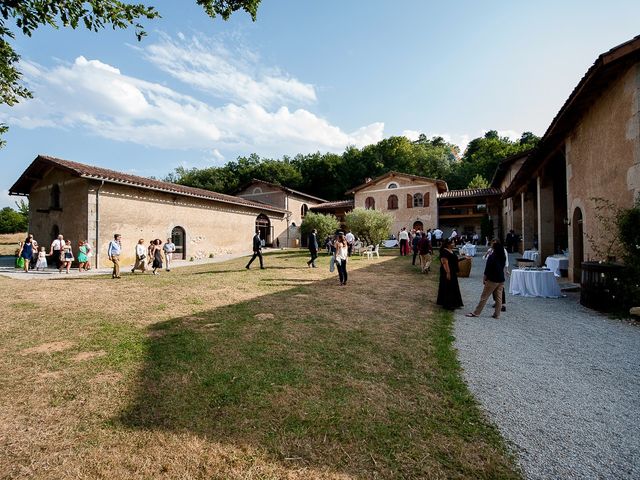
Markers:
{"x": 466, "y": 209}
{"x": 590, "y": 150}
{"x": 89, "y": 203}
{"x": 410, "y": 199}
{"x": 296, "y": 203}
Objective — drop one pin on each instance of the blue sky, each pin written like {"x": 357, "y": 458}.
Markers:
{"x": 306, "y": 76}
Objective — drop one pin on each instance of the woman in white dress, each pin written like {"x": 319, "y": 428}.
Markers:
{"x": 342, "y": 253}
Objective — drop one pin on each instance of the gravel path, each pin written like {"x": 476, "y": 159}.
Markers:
{"x": 561, "y": 382}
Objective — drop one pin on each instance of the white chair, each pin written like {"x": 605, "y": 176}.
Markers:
{"x": 357, "y": 247}
{"x": 371, "y": 251}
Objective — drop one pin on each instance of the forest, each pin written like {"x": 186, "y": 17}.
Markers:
{"x": 330, "y": 175}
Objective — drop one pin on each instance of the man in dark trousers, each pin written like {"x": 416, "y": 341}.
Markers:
{"x": 313, "y": 248}
{"x": 257, "y": 251}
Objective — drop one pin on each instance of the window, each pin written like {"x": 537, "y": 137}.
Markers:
{"x": 304, "y": 209}
{"x": 392, "y": 185}
{"x": 370, "y": 203}
{"x": 54, "y": 202}
{"x": 257, "y": 190}
{"x": 392, "y": 202}
{"x": 418, "y": 200}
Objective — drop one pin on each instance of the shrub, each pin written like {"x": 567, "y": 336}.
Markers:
{"x": 372, "y": 226}
{"x": 324, "y": 224}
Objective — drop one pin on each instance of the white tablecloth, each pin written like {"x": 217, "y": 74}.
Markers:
{"x": 390, "y": 243}
{"x": 534, "y": 283}
{"x": 468, "y": 249}
{"x": 557, "y": 263}
{"x": 531, "y": 255}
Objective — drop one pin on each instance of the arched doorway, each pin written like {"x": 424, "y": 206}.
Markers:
{"x": 263, "y": 226}
{"x": 578, "y": 244}
{"x": 178, "y": 237}
{"x": 417, "y": 225}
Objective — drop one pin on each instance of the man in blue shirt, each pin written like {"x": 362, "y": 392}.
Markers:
{"x": 113, "y": 252}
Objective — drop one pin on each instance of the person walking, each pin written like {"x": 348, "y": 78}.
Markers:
{"x": 426, "y": 251}
{"x": 87, "y": 265}
{"x": 448, "y": 289}
{"x": 56, "y": 250}
{"x": 157, "y": 256}
{"x": 350, "y": 238}
{"x": 257, "y": 251}
{"x": 42, "y": 259}
{"x": 403, "y": 236}
{"x": 113, "y": 253}
{"x": 437, "y": 234}
{"x": 312, "y": 241}
{"x": 342, "y": 253}
{"x": 168, "y": 249}
{"x": 493, "y": 281}
{"x": 82, "y": 256}
{"x": 141, "y": 257}
{"x": 26, "y": 252}
{"x": 414, "y": 245}
{"x": 67, "y": 257}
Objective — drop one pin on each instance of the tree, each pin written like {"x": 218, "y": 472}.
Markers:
{"x": 12, "y": 221}
{"x": 478, "y": 182}
{"x": 94, "y": 15}
{"x": 372, "y": 226}
{"x": 324, "y": 224}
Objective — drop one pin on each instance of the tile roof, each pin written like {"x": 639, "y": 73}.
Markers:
{"x": 470, "y": 192}
{"x": 441, "y": 184}
{"x": 22, "y": 185}
{"x": 332, "y": 205}
{"x": 281, "y": 187}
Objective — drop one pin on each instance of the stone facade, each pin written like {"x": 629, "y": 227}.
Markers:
{"x": 603, "y": 157}
{"x": 407, "y": 189}
{"x": 286, "y": 234}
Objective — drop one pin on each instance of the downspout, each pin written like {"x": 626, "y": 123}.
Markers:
{"x": 286, "y": 207}
{"x": 98, "y": 224}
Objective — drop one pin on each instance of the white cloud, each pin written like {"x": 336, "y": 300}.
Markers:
{"x": 234, "y": 75}
{"x": 97, "y": 97}
{"x": 411, "y": 134}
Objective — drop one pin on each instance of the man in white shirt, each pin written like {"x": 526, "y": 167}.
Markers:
{"x": 403, "y": 236}
{"x": 350, "y": 238}
{"x": 454, "y": 237}
{"x": 168, "y": 248}
{"x": 437, "y": 233}
{"x": 56, "y": 249}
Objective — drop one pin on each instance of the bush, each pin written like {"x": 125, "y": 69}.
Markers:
{"x": 628, "y": 221}
{"x": 324, "y": 224}
{"x": 372, "y": 226}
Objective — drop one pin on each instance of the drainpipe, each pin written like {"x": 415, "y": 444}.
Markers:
{"x": 97, "y": 250}
{"x": 286, "y": 207}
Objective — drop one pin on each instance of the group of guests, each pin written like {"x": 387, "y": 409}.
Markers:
{"x": 150, "y": 256}
{"x": 496, "y": 269}
{"x": 32, "y": 256}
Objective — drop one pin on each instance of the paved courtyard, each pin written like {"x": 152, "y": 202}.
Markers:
{"x": 561, "y": 382}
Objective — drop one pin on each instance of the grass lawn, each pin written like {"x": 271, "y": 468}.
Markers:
{"x": 216, "y": 372}
{"x": 9, "y": 242}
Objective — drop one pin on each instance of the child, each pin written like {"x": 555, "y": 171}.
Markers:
{"x": 42, "y": 259}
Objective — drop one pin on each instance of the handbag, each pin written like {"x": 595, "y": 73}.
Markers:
{"x": 332, "y": 263}
{"x": 19, "y": 262}
{"x": 142, "y": 257}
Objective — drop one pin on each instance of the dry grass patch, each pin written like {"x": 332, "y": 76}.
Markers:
{"x": 213, "y": 371}
{"x": 9, "y": 242}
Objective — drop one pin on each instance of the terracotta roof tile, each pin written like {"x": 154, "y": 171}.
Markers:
{"x": 471, "y": 192}
{"x": 335, "y": 204}
{"x": 112, "y": 176}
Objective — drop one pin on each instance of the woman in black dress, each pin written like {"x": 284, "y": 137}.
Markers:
{"x": 157, "y": 256}
{"x": 449, "y": 291}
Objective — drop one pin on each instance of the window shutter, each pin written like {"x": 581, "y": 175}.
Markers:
{"x": 409, "y": 200}
{"x": 426, "y": 199}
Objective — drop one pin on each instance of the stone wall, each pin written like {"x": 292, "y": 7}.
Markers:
{"x": 603, "y": 156}
{"x": 403, "y": 216}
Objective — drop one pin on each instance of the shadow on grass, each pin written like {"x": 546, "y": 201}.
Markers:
{"x": 318, "y": 383}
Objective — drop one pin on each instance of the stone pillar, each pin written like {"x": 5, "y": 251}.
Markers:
{"x": 546, "y": 232}
{"x": 529, "y": 220}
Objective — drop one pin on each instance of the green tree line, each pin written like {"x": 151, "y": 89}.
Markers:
{"x": 330, "y": 175}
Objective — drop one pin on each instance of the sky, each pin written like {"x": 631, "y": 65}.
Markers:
{"x": 307, "y": 76}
